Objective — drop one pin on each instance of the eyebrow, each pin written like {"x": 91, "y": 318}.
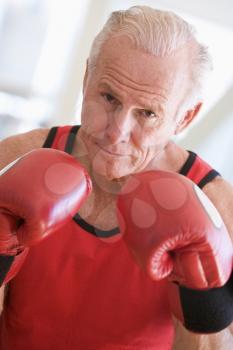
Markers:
{"x": 146, "y": 106}
{"x": 108, "y": 87}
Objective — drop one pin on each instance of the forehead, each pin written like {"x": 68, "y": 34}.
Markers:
{"x": 120, "y": 60}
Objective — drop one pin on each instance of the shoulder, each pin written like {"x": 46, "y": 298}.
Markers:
{"x": 171, "y": 158}
{"x": 220, "y": 192}
{"x": 17, "y": 145}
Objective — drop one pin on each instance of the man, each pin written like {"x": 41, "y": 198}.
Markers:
{"x": 141, "y": 87}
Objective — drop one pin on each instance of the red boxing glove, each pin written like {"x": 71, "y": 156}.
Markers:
{"x": 39, "y": 193}
{"x": 175, "y": 232}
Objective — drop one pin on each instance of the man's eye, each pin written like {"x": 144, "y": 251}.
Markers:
{"x": 109, "y": 98}
{"x": 148, "y": 114}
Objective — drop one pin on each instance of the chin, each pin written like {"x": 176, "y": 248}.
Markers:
{"x": 109, "y": 174}
{"x": 111, "y": 171}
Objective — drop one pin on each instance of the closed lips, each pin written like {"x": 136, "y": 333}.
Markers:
{"x": 113, "y": 153}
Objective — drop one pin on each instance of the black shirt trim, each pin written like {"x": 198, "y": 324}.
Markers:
{"x": 95, "y": 231}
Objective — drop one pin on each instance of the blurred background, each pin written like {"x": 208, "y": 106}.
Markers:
{"x": 44, "y": 45}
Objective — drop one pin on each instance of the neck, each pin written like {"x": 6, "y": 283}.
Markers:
{"x": 172, "y": 158}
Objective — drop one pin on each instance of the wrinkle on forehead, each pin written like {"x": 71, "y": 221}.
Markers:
{"x": 134, "y": 70}
{"x": 118, "y": 81}
{"x": 140, "y": 70}
{"x": 121, "y": 71}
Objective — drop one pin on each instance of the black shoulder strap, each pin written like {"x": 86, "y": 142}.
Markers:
{"x": 209, "y": 177}
{"x": 50, "y": 138}
{"x": 188, "y": 164}
{"x": 71, "y": 138}
{"x": 198, "y": 170}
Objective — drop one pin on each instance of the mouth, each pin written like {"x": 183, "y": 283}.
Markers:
{"x": 107, "y": 151}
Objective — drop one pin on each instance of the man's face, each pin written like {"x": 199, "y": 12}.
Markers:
{"x": 129, "y": 106}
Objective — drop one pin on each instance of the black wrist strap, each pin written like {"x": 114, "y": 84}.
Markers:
{"x": 5, "y": 264}
{"x": 207, "y": 311}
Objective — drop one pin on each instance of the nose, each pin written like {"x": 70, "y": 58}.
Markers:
{"x": 120, "y": 126}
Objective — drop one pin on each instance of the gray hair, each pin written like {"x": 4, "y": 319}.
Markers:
{"x": 158, "y": 33}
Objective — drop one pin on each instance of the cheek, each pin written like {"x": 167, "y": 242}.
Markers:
{"x": 153, "y": 136}
{"x": 94, "y": 117}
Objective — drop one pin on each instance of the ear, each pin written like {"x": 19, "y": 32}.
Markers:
{"x": 190, "y": 115}
{"x": 85, "y": 76}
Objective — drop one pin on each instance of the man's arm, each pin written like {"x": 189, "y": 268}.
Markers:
{"x": 15, "y": 146}
{"x": 220, "y": 193}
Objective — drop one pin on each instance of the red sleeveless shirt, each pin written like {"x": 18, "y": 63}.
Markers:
{"x": 79, "y": 289}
